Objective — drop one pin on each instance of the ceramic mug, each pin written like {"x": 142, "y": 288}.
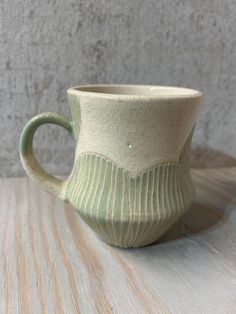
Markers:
{"x": 131, "y": 179}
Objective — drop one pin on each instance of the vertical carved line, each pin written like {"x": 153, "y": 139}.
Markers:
{"x": 108, "y": 207}
{"x": 122, "y": 209}
{"x": 118, "y": 202}
{"x": 171, "y": 188}
{"x": 109, "y": 194}
{"x": 139, "y": 201}
{"x": 104, "y": 208}
{"x": 181, "y": 187}
{"x": 177, "y": 199}
{"x": 150, "y": 215}
{"x": 79, "y": 179}
{"x": 168, "y": 184}
{"x": 100, "y": 196}
{"x": 129, "y": 233}
{"x": 152, "y": 181}
{"x": 113, "y": 204}
{"x": 161, "y": 192}
{"x": 76, "y": 195}
{"x": 153, "y": 206}
{"x": 96, "y": 184}
{"x": 146, "y": 193}
{"x": 164, "y": 200}
{"x": 87, "y": 177}
{"x": 179, "y": 204}
{"x": 90, "y": 189}
{"x": 135, "y": 210}
{"x": 157, "y": 198}
{"x": 186, "y": 188}
{"x": 177, "y": 193}
{"x": 84, "y": 186}
{"x": 156, "y": 204}
{"x": 74, "y": 181}
{"x": 130, "y": 210}
{"x": 161, "y": 182}
{"x": 127, "y": 213}
{"x": 166, "y": 218}
{"x": 88, "y": 206}
{"x": 174, "y": 189}
{"x": 95, "y": 193}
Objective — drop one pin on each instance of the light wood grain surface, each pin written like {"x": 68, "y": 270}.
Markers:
{"x": 51, "y": 262}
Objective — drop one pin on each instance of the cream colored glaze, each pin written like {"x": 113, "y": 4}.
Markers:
{"x": 136, "y": 131}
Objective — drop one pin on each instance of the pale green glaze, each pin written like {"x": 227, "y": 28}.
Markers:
{"x": 124, "y": 206}
{"x": 126, "y": 211}
{"x": 31, "y": 165}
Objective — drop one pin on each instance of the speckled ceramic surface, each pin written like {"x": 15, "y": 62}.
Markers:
{"x": 130, "y": 181}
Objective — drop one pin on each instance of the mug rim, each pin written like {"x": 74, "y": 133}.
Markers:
{"x": 93, "y": 90}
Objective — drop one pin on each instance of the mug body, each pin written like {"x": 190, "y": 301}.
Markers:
{"x": 131, "y": 180}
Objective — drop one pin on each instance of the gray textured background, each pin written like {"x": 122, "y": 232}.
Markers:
{"x": 48, "y": 46}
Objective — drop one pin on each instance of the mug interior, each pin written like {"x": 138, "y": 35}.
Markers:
{"x": 137, "y": 90}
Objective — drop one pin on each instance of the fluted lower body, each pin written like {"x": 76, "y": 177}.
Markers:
{"x": 126, "y": 211}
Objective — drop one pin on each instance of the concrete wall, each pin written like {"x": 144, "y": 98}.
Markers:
{"x": 48, "y": 46}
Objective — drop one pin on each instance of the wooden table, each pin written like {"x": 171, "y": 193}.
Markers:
{"x": 51, "y": 262}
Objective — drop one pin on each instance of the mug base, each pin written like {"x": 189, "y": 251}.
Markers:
{"x": 131, "y": 235}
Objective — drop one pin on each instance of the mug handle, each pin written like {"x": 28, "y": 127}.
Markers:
{"x": 32, "y": 167}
